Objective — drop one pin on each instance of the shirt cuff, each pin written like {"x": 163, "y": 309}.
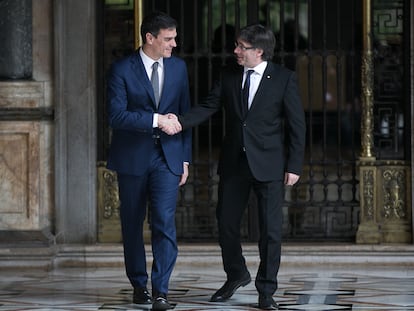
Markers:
{"x": 155, "y": 120}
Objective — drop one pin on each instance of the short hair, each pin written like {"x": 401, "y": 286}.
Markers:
{"x": 156, "y": 21}
{"x": 260, "y": 37}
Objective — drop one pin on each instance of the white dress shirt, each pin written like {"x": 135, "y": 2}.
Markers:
{"x": 148, "y": 62}
{"x": 255, "y": 79}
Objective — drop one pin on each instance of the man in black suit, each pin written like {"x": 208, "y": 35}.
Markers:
{"x": 263, "y": 150}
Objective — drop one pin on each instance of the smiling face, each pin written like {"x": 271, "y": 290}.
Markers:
{"x": 247, "y": 55}
{"x": 160, "y": 45}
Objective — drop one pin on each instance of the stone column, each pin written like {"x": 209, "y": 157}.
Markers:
{"x": 368, "y": 230}
{"x": 75, "y": 120}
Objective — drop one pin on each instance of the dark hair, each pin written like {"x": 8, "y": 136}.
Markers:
{"x": 259, "y": 37}
{"x": 156, "y": 21}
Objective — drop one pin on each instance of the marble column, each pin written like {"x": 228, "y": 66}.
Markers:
{"x": 75, "y": 121}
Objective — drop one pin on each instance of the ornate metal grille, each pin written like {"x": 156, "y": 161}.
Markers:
{"x": 321, "y": 41}
{"x": 325, "y": 203}
{"x": 390, "y": 116}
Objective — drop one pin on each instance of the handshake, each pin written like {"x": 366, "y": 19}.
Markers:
{"x": 169, "y": 123}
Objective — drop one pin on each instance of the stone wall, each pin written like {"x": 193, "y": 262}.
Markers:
{"x": 25, "y": 157}
{"x": 26, "y": 135}
{"x": 47, "y": 130}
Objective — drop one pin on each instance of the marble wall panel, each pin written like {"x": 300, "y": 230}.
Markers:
{"x": 22, "y": 94}
{"x": 19, "y": 175}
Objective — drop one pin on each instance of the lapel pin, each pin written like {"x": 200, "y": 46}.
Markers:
{"x": 268, "y": 77}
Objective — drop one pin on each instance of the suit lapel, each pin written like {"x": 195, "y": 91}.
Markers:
{"x": 265, "y": 83}
{"x": 139, "y": 70}
{"x": 169, "y": 79}
{"x": 238, "y": 86}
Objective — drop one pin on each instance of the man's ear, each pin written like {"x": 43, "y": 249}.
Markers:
{"x": 149, "y": 38}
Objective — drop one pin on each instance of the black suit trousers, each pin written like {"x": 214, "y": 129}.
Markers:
{"x": 233, "y": 197}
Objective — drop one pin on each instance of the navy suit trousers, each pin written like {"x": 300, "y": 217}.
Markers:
{"x": 158, "y": 187}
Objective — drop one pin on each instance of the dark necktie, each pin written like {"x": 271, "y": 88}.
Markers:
{"x": 245, "y": 91}
{"x": 155, "y": 83}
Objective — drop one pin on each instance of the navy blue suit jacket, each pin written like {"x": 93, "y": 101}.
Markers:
{"x": 131, "y": 106}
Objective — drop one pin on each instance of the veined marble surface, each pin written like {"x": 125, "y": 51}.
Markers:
{"x": 307, "y": 289}
{"x": 301, "y": 287}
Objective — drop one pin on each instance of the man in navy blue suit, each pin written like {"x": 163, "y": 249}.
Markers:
{"x": 142, "y": 89}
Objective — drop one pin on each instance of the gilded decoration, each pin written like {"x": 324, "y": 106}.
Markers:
{"x": 109, "y": 225}
{"x": 111, "y": 197}
{"x": 394, "y": 194}
{"x": 385, "y": 202}
{"x": 367, "y": 81}
{"x": 368, "y": 191}
{"x": 367, "y": 125}
{"x": 109, "y": 229}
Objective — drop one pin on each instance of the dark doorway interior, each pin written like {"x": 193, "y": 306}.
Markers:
{"x": 321, "y": 41}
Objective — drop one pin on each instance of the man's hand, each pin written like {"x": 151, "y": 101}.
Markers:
{"x": 291, "y": 179}
{"x": 169, "y": 124}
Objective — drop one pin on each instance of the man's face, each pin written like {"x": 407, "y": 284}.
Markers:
{"x": 247, "y": 55}
{"x": 161, "y": 45}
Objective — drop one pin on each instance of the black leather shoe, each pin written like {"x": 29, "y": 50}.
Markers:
{"x": 228, "y": 289}
{"x": 161, "y": 303}
{"x": 141, "y": 296}
{"x": 267, "y": 303}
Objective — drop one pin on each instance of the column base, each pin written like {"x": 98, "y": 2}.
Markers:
{"x": 368, "y": 234}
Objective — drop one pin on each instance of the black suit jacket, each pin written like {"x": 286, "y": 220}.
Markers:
{"x": 272, "y": 133}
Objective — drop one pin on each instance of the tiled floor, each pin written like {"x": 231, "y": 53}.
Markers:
{"x": 311, "y": 288}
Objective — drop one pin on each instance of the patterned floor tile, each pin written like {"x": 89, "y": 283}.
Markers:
{"x": 299, "y": 289}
